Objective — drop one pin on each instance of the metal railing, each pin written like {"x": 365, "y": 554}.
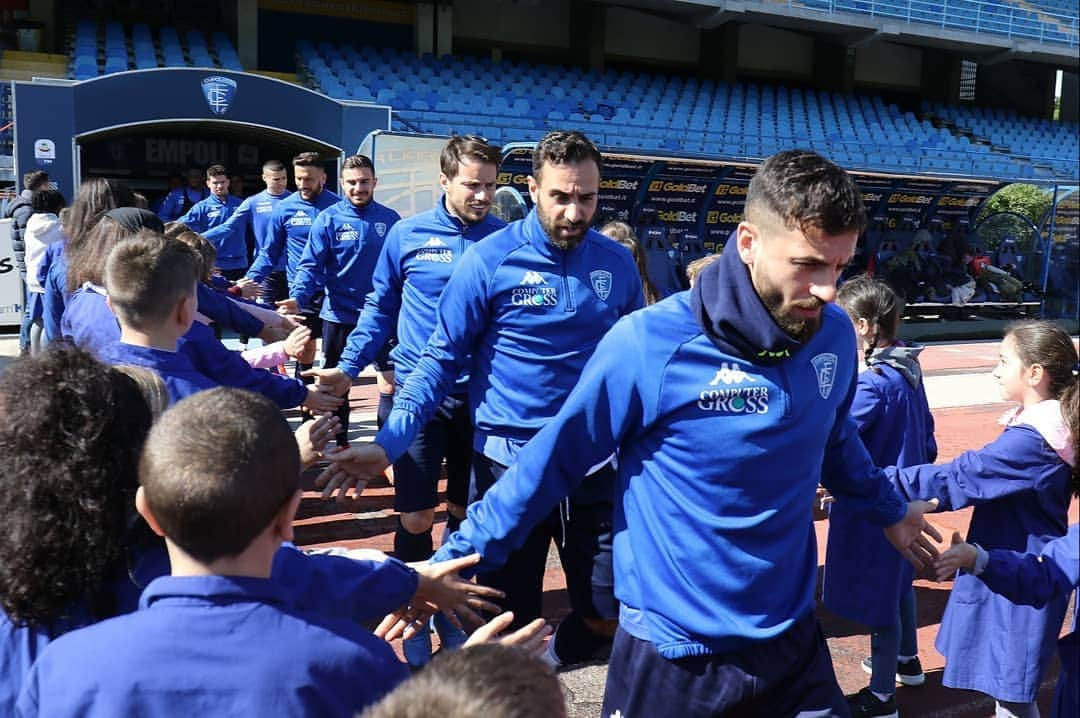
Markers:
{"x": 998, "y": 18}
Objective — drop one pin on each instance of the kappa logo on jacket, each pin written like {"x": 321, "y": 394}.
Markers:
{"x": 533, "y": 291}
{"x": 729, "y": 374}
{"x": 347, "y": 233}
{"x": 825, "y": 367}
{"x": 726, "y": 395}
{"x": 300, "y": 219}
{"x": 532, "y": 278}
{"x": 435, "y": 250}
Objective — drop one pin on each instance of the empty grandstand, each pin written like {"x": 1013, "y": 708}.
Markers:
{"x": 102, "y": 48}
{"x": 640, "y": 110}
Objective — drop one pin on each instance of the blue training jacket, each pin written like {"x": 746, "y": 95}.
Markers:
{"x": 287, "y": 234}
{"x": 530, "y": 315}
{"x": 253, "y": 214}
{"x": 339, "y": 258}
{"x": 172, "y": 206}
{"x": 416, "y": 261}
{"x": 723, "y": 426}
{"x": 213, "y": 212}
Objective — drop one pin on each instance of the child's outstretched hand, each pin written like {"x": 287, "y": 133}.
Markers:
{"x": 529, "y": 637}
{"x": 960, "y": 555}
{"x": 297, "y": 341}
{"x": 249, "y": 288}
{"x": 441, "y": 585}
{"x": 312, "y": 437}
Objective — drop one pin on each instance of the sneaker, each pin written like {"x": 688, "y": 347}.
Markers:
{"x": 865, "y": 703}
{"x": 573, "y": 643}
{"x": 908, "y": 673}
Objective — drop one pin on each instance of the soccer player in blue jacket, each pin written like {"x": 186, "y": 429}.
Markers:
{"x": 528, "y": 304}
{"x": 181, "y": 199}
{"x": 417, "y": 259}
{"x": 213, "y": 212}
{"x": 726, "y": 406}
{"x": 290, "y": 224}
{"x": 338, "y": 261}
{"x": 288, "y": 231}
{"x": 253, "y": 216}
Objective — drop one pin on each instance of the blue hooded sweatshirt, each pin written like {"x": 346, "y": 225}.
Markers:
{"x": 213, "y": 212}
{"x": 340, "y": 257}
{"x": 254, "y": 213}
{"x": 723, "y": 425}
{"x": 530, "y": 315}
{"x": 287, "y": 234}
{"x": 416, "y": 261}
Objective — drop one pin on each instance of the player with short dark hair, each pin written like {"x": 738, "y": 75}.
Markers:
{"x": 522, "y": 313}
{"x": 338, "y": 261}
{"x": 705, "y": 398}
{"x": 290, "y": 225}
{"x": 251, "y": 221}
{"x": 214, "y": 211}
{"x": 417, "y": 259}
{"x": 181, "y": 199}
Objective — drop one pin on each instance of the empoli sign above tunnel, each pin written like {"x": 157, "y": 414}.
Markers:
{"x": 67, "y": 113}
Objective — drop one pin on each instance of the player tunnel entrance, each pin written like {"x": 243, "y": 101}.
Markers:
{"x": 153, "y": 156}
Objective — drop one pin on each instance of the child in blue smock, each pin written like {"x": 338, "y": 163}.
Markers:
{"x": 866, "y": 580}
{"x": 1019, "y": 485}
{"x": 219, "y": 636}
{"x": 1031, "y": 580}
{"x": 73, "y": 550}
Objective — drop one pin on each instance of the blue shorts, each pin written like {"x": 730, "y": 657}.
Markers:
{"x": 449, "y": 435}
{"x": 789, "y": 675}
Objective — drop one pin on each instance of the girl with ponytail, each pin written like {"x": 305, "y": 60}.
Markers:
{"x": 865, "y": 579}
{"x": 1019, "y": 485}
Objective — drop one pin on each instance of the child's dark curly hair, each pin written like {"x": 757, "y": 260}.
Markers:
{"x": 71, "y": 431}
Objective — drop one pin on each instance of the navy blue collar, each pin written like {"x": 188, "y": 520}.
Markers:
{"x": 733, "y": 316}
{"x": 215, "y": 589}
